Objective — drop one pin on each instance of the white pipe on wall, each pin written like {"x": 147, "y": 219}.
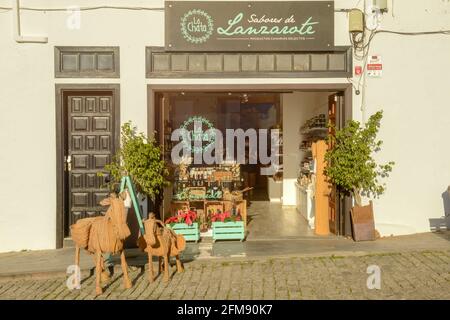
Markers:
{"x": 16, "y": 27}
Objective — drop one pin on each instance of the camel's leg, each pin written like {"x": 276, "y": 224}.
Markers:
{"x": 77, "y": 263}
{"x": 126, "y": 279}
{"x": 166, "y": 267}
{"x": 104, "y": 275}
{"x": 150, "y": 267}
{"x": 98, "y": 270}
{"x": 179, "y": 264}
{"x": 160, "y": 266}
{"x": 77, "y": 256}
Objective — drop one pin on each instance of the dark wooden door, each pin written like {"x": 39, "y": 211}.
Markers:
{"x": 89, "y": 147}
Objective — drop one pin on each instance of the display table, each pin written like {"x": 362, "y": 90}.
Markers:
{"x": 305, "y": 203}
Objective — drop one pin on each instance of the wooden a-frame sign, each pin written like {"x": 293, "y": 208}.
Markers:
{"x": 126, "y": 183}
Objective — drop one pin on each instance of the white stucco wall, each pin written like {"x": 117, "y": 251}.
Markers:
{"x": 27, "y": 102}
{"x": 413, "y": 92}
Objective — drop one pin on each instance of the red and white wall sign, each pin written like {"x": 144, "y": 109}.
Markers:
{"x": 374, "y": 66}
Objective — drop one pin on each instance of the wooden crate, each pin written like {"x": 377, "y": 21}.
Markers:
{"x": 228, "y": 230}
{"x": 213, "y": 206}
{"x": 178, "y": 205}
{"x": 223, "y": 175}
{"x": 227, "y": 206}
{"x": 201, "y": 214}
{"x": 242, "y": 207}
{"x": 190, "y": 233}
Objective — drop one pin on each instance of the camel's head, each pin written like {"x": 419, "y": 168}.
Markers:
{"x": 117, "y": 214}
{"x": 150, "y": 229}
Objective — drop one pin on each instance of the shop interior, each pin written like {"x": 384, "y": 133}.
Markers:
{"x": 280, "y": 205}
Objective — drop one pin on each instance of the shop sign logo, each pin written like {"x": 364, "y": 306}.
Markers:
{"x": 196, "y": 26}
{"x": 195, "y": 133}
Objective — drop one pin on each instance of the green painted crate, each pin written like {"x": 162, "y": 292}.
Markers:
{"x": 228, "y": 230}
{"x": 190, "y": 233}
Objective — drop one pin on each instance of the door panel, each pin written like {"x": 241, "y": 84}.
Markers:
{"x": 89, "y": 135}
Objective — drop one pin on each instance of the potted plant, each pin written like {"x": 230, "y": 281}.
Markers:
{"x": 227, "y": 226}
{"x": 140, "y": 158}
{"x": 185, "y": 223}
{"x": 354, "y": 171}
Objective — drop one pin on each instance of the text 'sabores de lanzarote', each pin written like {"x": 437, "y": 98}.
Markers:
{"x": 225, "y": 150}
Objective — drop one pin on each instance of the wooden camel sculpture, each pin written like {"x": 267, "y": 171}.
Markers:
{"x": 162, "y": 242}
{"x": 104, "y": 234}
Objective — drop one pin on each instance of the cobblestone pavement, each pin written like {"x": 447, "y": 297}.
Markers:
{"x": 408, "y": 275}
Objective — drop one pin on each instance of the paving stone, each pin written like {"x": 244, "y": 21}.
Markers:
{"x": 405, "y": 275}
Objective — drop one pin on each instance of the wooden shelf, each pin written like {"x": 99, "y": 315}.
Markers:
{"x": 314, "y": 130}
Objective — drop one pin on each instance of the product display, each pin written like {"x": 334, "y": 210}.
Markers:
{"x": 317, "y": 122}
{"x": 313, "y": 130}
{"x": 208, "y": 191}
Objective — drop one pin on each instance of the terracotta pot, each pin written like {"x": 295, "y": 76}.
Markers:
{"x": 363, "y": 223}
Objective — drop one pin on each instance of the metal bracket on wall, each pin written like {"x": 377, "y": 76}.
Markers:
{"x": 16, "y": 27}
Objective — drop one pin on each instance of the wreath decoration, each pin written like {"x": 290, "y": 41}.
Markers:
{"x": 211, "y": 138}
{"x": 185, "y": 32}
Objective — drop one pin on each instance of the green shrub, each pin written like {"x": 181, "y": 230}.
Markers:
{"x": 350, "y": 163}
{"x": 139, "y": 158}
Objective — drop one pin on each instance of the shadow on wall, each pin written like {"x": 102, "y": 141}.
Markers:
{"x": 443, "y": 223}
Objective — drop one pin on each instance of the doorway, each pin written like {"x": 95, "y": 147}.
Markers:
{"x": 88, "y": 128}
{"x": 159, "y": 95}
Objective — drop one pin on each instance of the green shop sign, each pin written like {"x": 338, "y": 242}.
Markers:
{"x": 249, "y": 25}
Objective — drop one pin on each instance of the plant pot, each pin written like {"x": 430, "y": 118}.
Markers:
{"x": 190, "y": 232}
{"x": 363, "y": 223}
{"x": 233, "y": 230}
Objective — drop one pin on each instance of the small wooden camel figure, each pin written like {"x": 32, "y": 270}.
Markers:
{"x": 162, "y": 242}
{"x": 104, "y": 234}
